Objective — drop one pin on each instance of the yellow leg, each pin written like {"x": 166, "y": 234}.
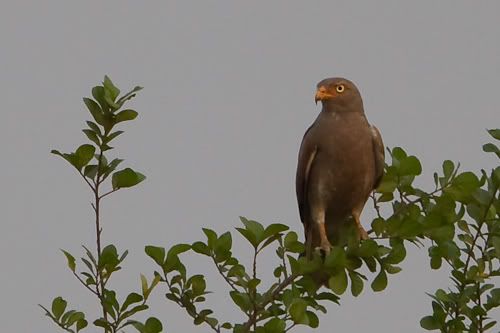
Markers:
{"x": 362, "y": 234}
{"x": 325, "y": 244}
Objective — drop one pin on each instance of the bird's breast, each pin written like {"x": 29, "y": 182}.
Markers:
{"x": 343, "y": 171}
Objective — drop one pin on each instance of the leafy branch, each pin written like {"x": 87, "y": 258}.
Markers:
{"x": 90, "y": 161}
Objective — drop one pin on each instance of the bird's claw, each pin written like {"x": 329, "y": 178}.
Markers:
{"x": 324, "y": 249}
{"x": 363, "y": 235}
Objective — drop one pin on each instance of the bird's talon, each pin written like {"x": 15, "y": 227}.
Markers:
{"x": 363, "y": 235}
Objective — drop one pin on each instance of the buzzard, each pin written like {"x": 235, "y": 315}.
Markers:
{"x": 341, "y": 161}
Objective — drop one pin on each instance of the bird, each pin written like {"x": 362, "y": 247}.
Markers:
{"x": 340, "y": 163}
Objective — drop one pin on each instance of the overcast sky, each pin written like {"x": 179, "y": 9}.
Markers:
{"x": 229, "y": 88}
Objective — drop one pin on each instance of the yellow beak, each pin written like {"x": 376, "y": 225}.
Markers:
{"x": 321, "y": 95}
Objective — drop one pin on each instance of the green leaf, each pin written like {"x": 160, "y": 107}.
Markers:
{"x": 274, "y": 229}
{"x": 144, "y": 285}
{"x": 90, "y": 171}
{"x": 429, "y": 323}
{"x": 92, "y": 136}
{"x": 211, "y": 237}
{"x": 448, "y": 168}
{"x": 242, "y": 300}
{"x": 71, "y": 260}
{"x": 94, "y": 127}
{"x": 109, "y": 257}
{"x": 436, "y": 262}
{"x": 495, "y": 133}
{"x": 103, "y": 323}
{"x": 356, "y": 284}
{"x": 491, "y": 148}
{"x": 275, "y": 325}
{"x": 111, "y": 167}
{"x": 392, "y": 269}
{"x": 297, "y": 310}
{"x": 81, "y": 324}
{"x": 378, "y": 225}
{"x": 111, "y": 136}
{"x": 131, "y": 299}
{"x": 128, "y": 95}
{"x": 397, "y": 254}
{"x": 201, "y": 248}
{"x": 178, "y": 249}
{"x": 126, "y": 178}
{"x": 380, "y": 282}
{"x": 398, "y": 154}
{"x": 58, "y": 307}
{"x": 312, "y": 319}
{"x": 95, "y": 110}
{"x": 410, "y": 166}
{"x": 98, "y": 94}
{"x": 338, "y": 282}
{"x": 156, "y": 253}
{"x": 202, "y": 316}
{"x": 495, "y": 241}
{"x": 198, "y": 284}
{"x": 336, "y": 258}
{"x": 64, "y": 318}
{"x": 368, "y": 248}
{"x": 226, "y": 325}
{"x": 462, "y": 186}
{"x": 74, "y": 317}
{"x": 84, "y": 154}
{"x": 291, "y": 243}
{"x": 111, "y": 88}
{"x": 223, "y": 243}
{"x": 125, "y": 115}
{"x": 254, "y": 228}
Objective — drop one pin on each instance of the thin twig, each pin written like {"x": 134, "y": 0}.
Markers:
{"x": 272, "y": 295}
{"x": 473, "y": 245}
{"x": 290, "y": 327}
{"x": 229, "y": 282}
{"x": 86, "y": 180}
{"x": 85, "y": 285}
{"x": 253, "y": 292}
{"x": 108, "y": 193}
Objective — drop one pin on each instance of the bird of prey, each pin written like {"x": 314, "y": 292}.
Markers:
{"x": 341, "y": 161}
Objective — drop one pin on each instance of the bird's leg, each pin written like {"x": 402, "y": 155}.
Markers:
{"x": 308, "y": 231}
{"x": 321, "y": 228}
{"x": 325, "y": 243}
{"x": 362, "y": 234}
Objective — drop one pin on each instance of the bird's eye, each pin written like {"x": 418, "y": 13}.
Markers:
{"x": 340, "y": 88}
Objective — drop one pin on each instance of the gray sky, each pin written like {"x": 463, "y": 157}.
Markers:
{"x": 228, "y": 94}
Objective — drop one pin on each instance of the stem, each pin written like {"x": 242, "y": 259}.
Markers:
{"x": 253, "y": 292}
{"x": 98, "y": 230}
{"x": 229, "y": 282}
{"x": 217, "y": 329}
{"x": 108, "y": 193}
{"x": 85, "y": 285}
{"x": 470, "y": 254}
{"x": 272, "y": 296}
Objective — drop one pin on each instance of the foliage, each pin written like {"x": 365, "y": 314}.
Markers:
{"x": 458, "y": 222}
{"x": 473, "y": 255}
{"x": 295, "y": 297}
{"x": 92, "y": 164}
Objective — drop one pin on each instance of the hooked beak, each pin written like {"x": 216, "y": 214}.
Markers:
{"x": 321, "y": 94}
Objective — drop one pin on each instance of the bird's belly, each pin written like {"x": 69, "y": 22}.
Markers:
{"x": 341, "y": 182}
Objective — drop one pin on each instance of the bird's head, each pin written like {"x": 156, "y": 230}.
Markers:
{"x": 338, "y": 94}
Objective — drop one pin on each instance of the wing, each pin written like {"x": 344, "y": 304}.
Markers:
{"x": 307, "y": 154}
{"x": 378, "y": 154}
